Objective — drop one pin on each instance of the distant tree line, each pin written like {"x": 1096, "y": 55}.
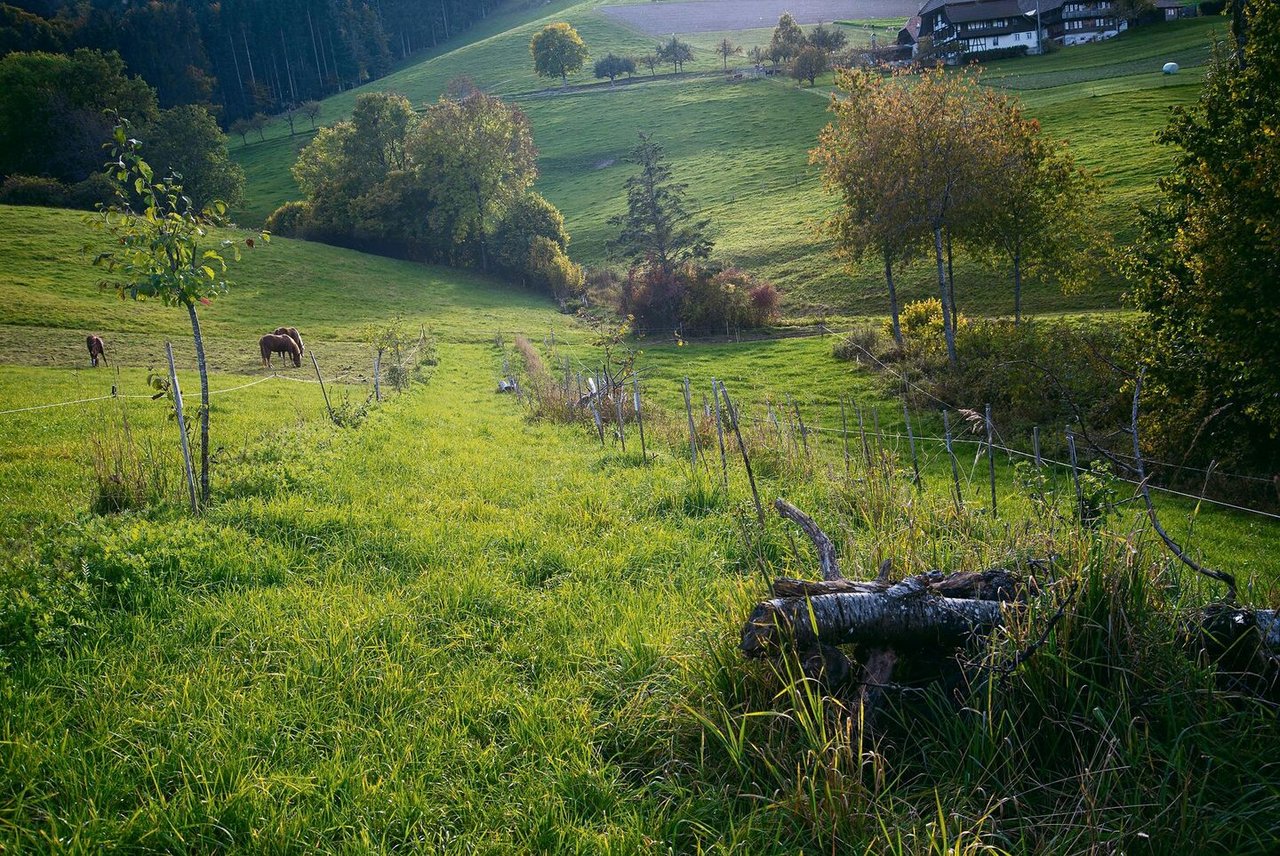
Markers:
{"x": 57, "y": 111}
{"x": 452, "y": 185}
{"x": 241, "y": 57}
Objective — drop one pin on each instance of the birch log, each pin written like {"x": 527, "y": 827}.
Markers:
{"x": 914, "y": 620}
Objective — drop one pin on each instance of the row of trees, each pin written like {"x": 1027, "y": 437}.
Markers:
{"x": 450, "y": 185}
{"x": 558, "y": 51}
{"x": 56, "y": 112}
{"x": 927, "y": 162}
{"x": 241, "y": 57}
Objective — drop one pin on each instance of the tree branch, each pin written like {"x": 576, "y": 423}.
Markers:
{"x": 826, "y": 550}
{"x": 1221, "y": 576}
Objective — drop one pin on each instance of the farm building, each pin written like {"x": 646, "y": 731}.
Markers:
{"x": 974, "y": 26}
{"x": 1075, "y": 22}
{"x": 957, "y": 28}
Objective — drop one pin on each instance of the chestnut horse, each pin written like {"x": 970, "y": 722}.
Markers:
{"x": 273, "y": 344}
{"x": 292, "y": 333}
{"x": 96, "y": 350}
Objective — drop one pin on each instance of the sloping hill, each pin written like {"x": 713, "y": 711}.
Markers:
{"x": 742, "y": 146}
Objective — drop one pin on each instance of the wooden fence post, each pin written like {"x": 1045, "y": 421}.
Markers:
{"x": 693, "y": 439}
{"x": 595, "y": 412}
{"x": 724, "y": 462}
{"x": 862, "y": 432}
{"x": 1075, "y": 473}
{"x": 915, "y": 461}
{"x": 991, "y": 460}
{"x": 746, "y": 459}
{"x": 644, "y": 455}
{"x": 617, "y": 406}
{"x": 1035, "y": 445}
{"x": 844, "y": 430}
{"x": 182, "y": 428}
{"x": 955, "y": 466}
{"x": 323, "y": 391}
{"x": 377, "y": 375}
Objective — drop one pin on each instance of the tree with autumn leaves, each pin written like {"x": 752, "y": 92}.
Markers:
{"x": 1206, "y": 267}
{"x": 917, "y": 158}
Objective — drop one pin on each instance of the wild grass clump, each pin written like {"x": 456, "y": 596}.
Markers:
{"x": 130, "y": 473}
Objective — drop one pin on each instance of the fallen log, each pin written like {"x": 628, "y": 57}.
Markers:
{"x": 885, "y": 618}
{"x": 994, "y": 584}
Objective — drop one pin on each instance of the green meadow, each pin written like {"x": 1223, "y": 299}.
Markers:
{"x": 445, "y": 626}
{"x": 742, "y": 147}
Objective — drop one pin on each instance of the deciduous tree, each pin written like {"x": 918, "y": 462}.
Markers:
{"x": 726, "y": 49}
{"x": 162, "y": 250}
{"x": 675, "y": 52}
{"x": 1206, "y": 269}
{"x": 613, "y": 65}
{"x": 187, "y": 142}
{"x": 827, "y": 39}
{"x": 558, "y": 51}
{"x": 788, "y": 39}
{"x": 809, "y": 64}
{"x": 1036, "y": 209}
{"x": 479, "y": 156}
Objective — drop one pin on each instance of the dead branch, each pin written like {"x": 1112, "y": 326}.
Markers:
{"x": 827, "y": 560}
{"x": 1221, "y": 576}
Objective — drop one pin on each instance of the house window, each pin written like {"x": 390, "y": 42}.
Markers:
{"x": 995, "y": 42}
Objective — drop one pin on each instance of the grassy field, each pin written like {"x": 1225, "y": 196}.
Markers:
{"x": 742, "y": 147}
{"x": 449, "y": 627}
{"x": 452, "y": 629}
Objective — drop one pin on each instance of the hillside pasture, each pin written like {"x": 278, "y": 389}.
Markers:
{"x": 742, "y": 147}
{"x": 456, "y": 629}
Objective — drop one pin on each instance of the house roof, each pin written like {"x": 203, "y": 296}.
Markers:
{"x": 911, "y": 30}
{"x": 965, "y": 13}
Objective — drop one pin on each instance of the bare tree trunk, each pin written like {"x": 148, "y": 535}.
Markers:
{"x": 951, "y": 284}
{"x": 947, "y": 329}
{"x": 204, "y": 404}
{"x": 1017, "y": 282}
{"x": 888, "y": 619}
{"x": 893, "y": 298}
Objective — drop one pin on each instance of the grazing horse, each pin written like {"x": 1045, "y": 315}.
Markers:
{"x": 96, "y": 350}
{"x": 273, "y": 344}
{"x": 292, "y": 333}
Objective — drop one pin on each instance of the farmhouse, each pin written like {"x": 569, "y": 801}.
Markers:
{"x": 961, "y": 27}
{"x": 1075, "y": 22}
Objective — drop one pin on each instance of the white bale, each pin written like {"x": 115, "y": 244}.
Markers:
{"x": 1170, "y": 68}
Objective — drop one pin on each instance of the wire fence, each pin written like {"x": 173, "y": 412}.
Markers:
{"x": 571, "y": 365}
{"x": 117, "y": 396}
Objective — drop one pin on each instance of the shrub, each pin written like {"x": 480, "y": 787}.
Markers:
{"x": 994, "y": 54}
{"x": 764, "y": 299}
{"x": 858, "y": 343}
{"x": 1042, "y": 373}
{"x": 922, "y": 333}
{"x": 289, "y": 220}
{"x": 95, "y": 190}
{"x": 1212, "y": 7}
{"x": 33, "y": 190}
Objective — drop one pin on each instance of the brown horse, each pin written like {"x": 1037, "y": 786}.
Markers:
{"x": 292, "y": 333}
{"x": 273, "y": 344}
{"x": 96, "y": 350}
